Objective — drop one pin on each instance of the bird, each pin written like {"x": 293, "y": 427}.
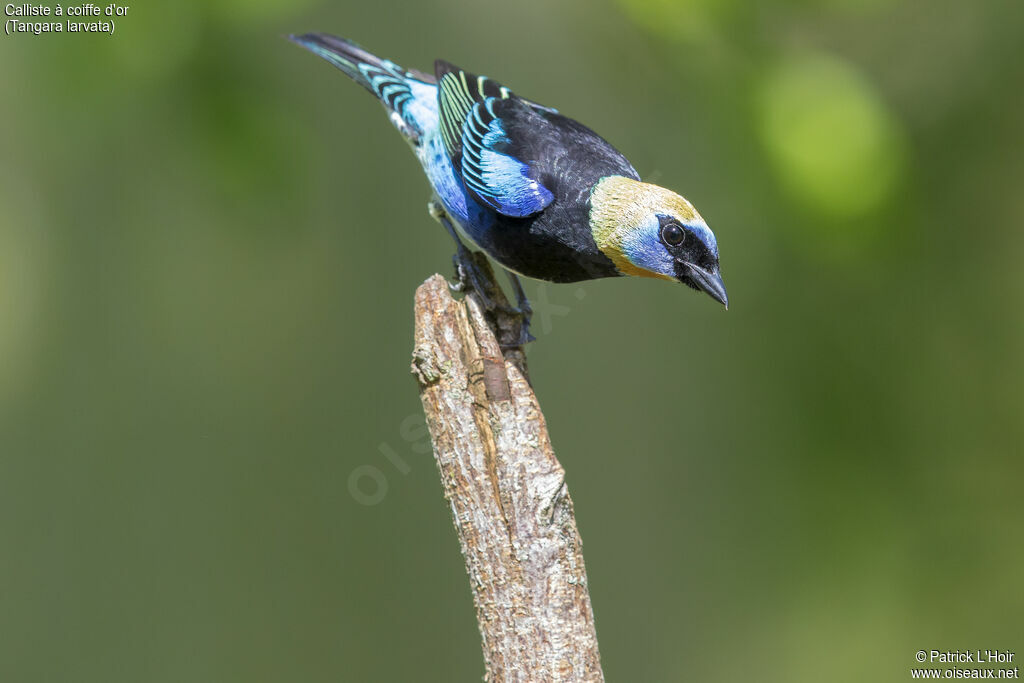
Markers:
{"x": 538, "y": 192}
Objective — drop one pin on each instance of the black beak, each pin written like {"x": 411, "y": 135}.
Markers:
{"x": 708, "y": 281}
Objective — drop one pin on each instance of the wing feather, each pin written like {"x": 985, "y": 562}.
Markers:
{"x": 478, "y": 142}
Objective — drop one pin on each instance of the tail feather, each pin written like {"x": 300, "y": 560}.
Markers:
{"x": 384, "y": 79}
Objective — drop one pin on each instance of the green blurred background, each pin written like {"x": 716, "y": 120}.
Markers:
{"x": 209, "y": 243}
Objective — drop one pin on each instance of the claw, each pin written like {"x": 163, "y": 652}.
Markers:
{"x": 523, "y": 307}
{"x": 460, "y": 276}
{"x": 469, "y": 275}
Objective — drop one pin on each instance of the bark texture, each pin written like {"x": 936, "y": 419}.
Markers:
{"x": 507, "y": 493}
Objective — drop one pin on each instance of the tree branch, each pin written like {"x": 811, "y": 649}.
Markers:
{"x": 507, "y": 492}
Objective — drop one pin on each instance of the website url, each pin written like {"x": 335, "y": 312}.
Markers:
{"x": 965, "y": 673}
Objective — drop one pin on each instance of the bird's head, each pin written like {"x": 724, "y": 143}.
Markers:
{"x": 649, "y": 231}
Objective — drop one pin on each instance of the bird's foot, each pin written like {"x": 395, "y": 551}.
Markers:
{"x": 474, "y": 277}
{"x": 522, "y": 309}
{"x": 470, "y": 278}
{"x": 522, "y": 339}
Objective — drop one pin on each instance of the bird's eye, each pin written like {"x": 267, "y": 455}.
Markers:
{"x": 673, "y": 235}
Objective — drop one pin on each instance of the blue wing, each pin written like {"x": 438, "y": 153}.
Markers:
{"x": 475, "y": 113}
{"x": 492, "y": 175}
